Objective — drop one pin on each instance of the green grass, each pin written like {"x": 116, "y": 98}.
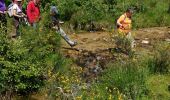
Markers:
{"x": 158, "y": 87}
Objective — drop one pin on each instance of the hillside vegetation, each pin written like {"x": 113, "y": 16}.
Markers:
{"x": 33, "y": 63}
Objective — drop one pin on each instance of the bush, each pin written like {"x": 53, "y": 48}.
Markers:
{"x": 160, "y": 63}
{"x": 123, "y": 43}
{"x": 80, "y": 13}
{"x": 25, "y": 61}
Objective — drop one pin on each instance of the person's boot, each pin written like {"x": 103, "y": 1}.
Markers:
{"x": 73, "y": 43}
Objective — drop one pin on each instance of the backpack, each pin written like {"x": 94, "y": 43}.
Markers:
{"x": 10, "y": 9}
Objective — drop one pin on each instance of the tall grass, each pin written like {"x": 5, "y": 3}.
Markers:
{"x": 128, "y": 78}
{"x": 122, "y": 80}
{"x": 160, "y": 63}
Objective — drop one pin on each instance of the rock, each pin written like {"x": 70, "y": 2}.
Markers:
{"x": 167, "y": 40}
{"x": 105, "y": 39}
{"x": 84, "y": 39}
{"x": 145, "y": 42}
{"x": 98, "y": 58}
{"x": 95, "y": 39}
{"x": 168, "y": 32}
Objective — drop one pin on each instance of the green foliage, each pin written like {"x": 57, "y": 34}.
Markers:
{"x": 160, "y": 63}
{"x": 128, "y": 78}
{"x": 64, "y": 84}
{"x": 124, "y": 44}
{"x": 25, "y": 61}
{"x": 32, "y": 60}
{"x": 147, "y": 13}
{"x": 122, "y": 80}
{"x": 158, "y": 87}
{"x": 80, "y": 13}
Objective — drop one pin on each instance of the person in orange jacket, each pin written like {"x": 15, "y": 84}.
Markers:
{"x": 124, "y": 25}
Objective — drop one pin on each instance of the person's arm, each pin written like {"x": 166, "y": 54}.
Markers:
{"x": 15, "y": 11}
{"x": 1, "y": 12}
{"x": 24, "y": 15}
{"x": 119, "y": 21}
{"x": 51, "y": 11}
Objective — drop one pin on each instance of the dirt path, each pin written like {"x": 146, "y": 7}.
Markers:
{"x": 97, "y": 46}
{"x": 102, "y": 40}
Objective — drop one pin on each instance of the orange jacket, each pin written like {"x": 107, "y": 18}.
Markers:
{"x": 126, "y": 24}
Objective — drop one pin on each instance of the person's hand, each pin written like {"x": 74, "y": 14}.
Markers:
{"x": 21, "y": 16}
{"x": 1, "y": 12}
{"x": 5, "y": 12}
{"x": 24, "y": 15}
{"x": 122, "y": 27}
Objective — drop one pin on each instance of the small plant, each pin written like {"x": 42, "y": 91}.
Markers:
{"x": 124, "y": 44}
{"x": 65, "y": 84}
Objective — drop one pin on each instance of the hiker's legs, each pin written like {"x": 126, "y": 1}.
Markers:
{"x": 131, "y": 40}
{"x": 65, "y": 37}
{"x": 16, "y": 27}
{"x": 56, "y": 24}
{"x": 34, "y": 25}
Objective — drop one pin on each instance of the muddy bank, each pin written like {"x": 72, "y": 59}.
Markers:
{"x": 94, "y": 49}
{"x": 92, "y": 62}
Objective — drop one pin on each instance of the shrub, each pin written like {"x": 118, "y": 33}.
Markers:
{"x": 26, "y": 60}
{"x": 124, "y": 44}
{"x": 160, "y": 63}
{"x": 65, "y": 84}
{"x": 83, "y": 13}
